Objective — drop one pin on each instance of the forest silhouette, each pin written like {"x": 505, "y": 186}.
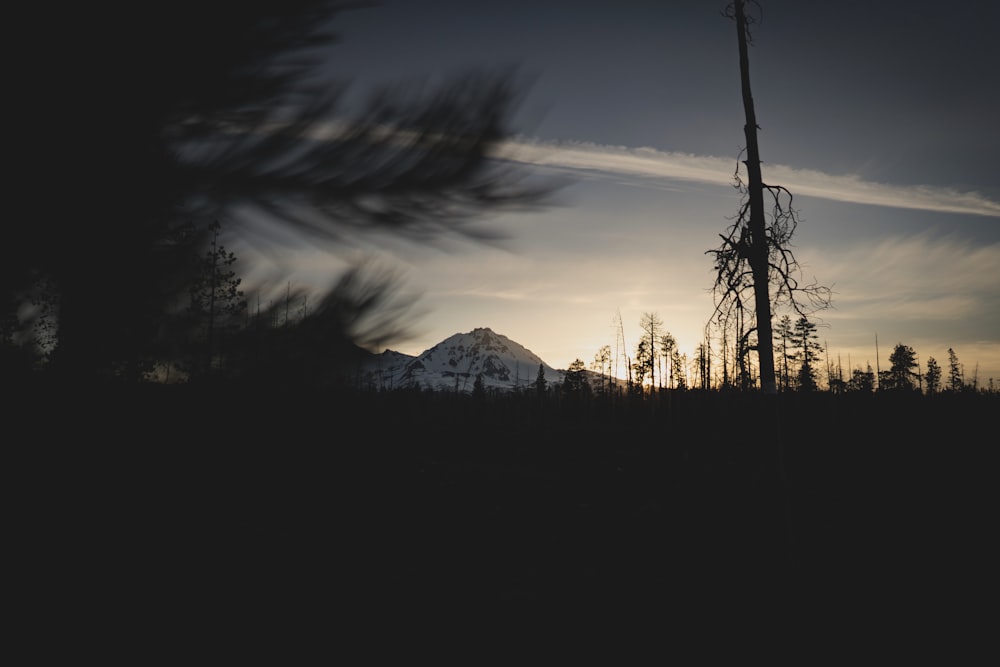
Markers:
{"x": 194, "y": 452}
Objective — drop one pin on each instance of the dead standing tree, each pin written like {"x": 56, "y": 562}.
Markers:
{"x": 755, "y": 258}
{"x": 755, "y": 255}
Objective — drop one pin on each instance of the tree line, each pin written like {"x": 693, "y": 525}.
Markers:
{"x": 802, "y": 364}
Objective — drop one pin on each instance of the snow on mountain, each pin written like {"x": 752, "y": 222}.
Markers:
{"x": 454, "y": 363}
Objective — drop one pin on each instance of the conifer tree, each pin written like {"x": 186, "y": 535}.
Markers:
{"x": 679, "y": 364}
{"x": 217, "y": 305}
{"x": 642, "y": 363}
{"x": 667, "y": 346}
{"x": 575, "y": 383}
{"x": 902, "y": 362}
{"x": 956, "y": 381}
{"x": 808, "y": 352}
{"x": 540, "y": 383}
{"x": 933, "y": 376}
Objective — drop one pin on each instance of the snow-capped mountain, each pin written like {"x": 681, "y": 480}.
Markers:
{"x": 454, "y": 363}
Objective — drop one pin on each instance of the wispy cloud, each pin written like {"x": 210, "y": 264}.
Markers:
{"x": 944, "y": 282}
{"x": 917, "y": 264}
{"x": 649, "y": 163}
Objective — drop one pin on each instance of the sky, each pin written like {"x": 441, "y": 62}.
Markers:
{"x": 879, "y": 117}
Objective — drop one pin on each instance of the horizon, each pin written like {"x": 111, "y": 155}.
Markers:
{"x": 881, "y": 364}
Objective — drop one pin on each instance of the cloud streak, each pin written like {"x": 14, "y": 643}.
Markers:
{"x": 650, "y": 163}
{"x": 915, "y": 276}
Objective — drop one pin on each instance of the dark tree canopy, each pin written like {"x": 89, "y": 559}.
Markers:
{"x": 143, "y": 123}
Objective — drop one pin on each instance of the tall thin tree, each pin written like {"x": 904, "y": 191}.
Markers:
{"x": 755, "y": 254}
{"x": 650, "y": 323}
{"x": 758, "y": 250}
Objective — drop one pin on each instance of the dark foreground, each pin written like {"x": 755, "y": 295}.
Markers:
{"x": 168, "y": 516}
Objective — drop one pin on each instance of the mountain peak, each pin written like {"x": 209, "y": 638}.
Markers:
{"x": 456, "y": 362}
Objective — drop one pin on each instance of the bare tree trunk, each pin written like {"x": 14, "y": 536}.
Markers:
{"x": 758, "y": 232}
